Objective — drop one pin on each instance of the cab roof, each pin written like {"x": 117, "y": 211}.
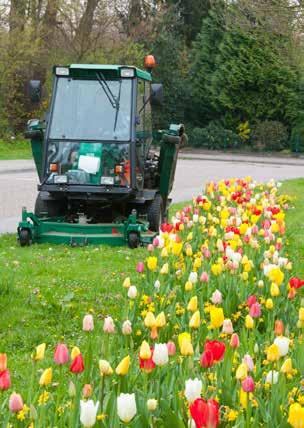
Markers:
{"x": 111, "y": 69}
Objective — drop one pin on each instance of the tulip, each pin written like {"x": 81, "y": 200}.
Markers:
{"x": 192, "y": 305}
{"x": 207, "y": 359}
{"x": 150, "y": 320}
{"x": 217, "y": 349}
{"x": 164, "y": 269}
{"x": 88, "y": 412}
{"x": 216, "y": 297}
{"x": 152, "y": 404}
{"x": 72, "y": 389}
{"x": 272, "y": 377}
{"x": 152, "y": 263}
{"x": 251, "y": 300}
{"x": 123, "y": 367}
{"x": 154, "y": 333}
{"x": 193, "y": 277}
{"x": 126, "y": 328}
{"x": 193, "y": 389}
{"x": 140, "y": 267}
{"x": 296, "y": 415}
{"x": 185, "y": 345}
{"x": 145, "y": 351}
{"x": 15, "y": 403}
{"x": 279, "y": 328}
{"x": 127, "y": 283}
{"x": 269, "y": 304}
{"x": 283, "y": 344}
{"x": 88, "y": 323}
{"x": 241, "y": 371}
{"x": 46, "y": 377}
{"x": 205, "y": 413}
{"x": 160, "y": 320}
{"x": 234, "y": 341}
{"x": 273, "y": 353}
{"x": 204, "y": 277}
{"x": 5, "y": 380}
{"x": 77, "y": 365}
{"x": 40, "y": 350}
{"x": 126, "y": 407}
{"x": 108, "y": 325}
{"x": 195, "y": 320}
{"x": 87, "y": 390}
{"x": 248, "y": 384}
{"x": 243, "y": 398}
{"x": 105, "y": 368}
{"x": 301, "y": 314}
{"x": 227, "y": 327}
{"x": 147, "y": 365}
{"x": 249, "y": 323}
{"x": 248, "y": 361}
{"x": 287, "y": 366}
{"x": 3, "y": 362}
{"x": 75, "y": 351}
{"x": 132, "y": 292}
{"x": 61, "y": 355}
{"x": 171, "y": 348}
{"x": 160, "y": 354}
{"x": 255, "y": 310}
{"x": 157, "y": 285}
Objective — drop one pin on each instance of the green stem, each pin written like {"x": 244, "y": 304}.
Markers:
{"x": 101, "y": 395}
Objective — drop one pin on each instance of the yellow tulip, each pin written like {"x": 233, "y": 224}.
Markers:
{"x": 123, "y": 367}
{"x": 188, "y": 286}
{"x": 195, "y": 320}
{"x": 276, "y": 275}
{"x": 241, "y": 371}
{"x": 243, "y": 398}
{"x": 301, "y": 314}
{"x": 152, "y": 263}
{"x": 186, "y": 348}
{"x": 145, "y": 351}
{"x": 46, "y": 377}
{"x": 40, "y": 350}
{"x": 127, "y": 283}
{"x": 104, "y": 368}
{"x": 160, "y": 320}
{"x": 296, "y": 415}
{"x": 273, "y": 353}
{"x": 165, "y": 269}
{"x": 216, "y": 317}
{"x": 216, "y": 269}
{"x": 189, "y": 251}
{"x": 249, "y": 323}
{"x": 150, "y": 320}
{"x": 177, "y": 248}
{"x": 287, "y": 366}
{"x": 164, "y": 252}
{"x": 182, "y": 337}
{"x": 192, "y": 305}
{"x": 269, "y": 304}
{"x": 274, "y": 290}
{"x": 75, "y": 352}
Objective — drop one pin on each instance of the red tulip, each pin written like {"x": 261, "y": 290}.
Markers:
{"x": 165, "y": 227}
{"x": 255, "y": 310}
{"x": 234, "y": 341}
{"x": 61, "y": 355}
{"x": 217, "y": 349}
{"x": 5, "y": 380}
{"x": 251, "y": 300}
{"x": 147, "y": 365}
{"x": 207, "y": 359}
{"x": 205, "y": 413}
{"x": 77, "y": 365}
{"x": 248, "y": 384}
{"x": 296, "y": 282}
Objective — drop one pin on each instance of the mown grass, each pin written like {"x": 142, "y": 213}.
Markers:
{"x": 15, "y": 149}
{"x": 45, "y": 290}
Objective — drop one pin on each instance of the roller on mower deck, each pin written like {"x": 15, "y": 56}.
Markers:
{"x": 99, "y": 180}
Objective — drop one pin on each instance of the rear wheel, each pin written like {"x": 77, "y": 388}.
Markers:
{"x": 25, "y": 238}
{"x": 45, "y": 208}
{"x": 156, "y": 213}
{"x": 133, "y": 240}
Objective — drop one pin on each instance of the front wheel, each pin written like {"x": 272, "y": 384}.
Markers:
{"x": 25, "y": 238}
{"x": 133, "y": 240}
{"x": 156, "y": 213}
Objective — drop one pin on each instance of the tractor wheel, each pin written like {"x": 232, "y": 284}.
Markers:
{"x": 133, "y": 240}
{"x": 25, "y": 238}
{"x": 155, "y": 213}
{"x": 48, "y": 208}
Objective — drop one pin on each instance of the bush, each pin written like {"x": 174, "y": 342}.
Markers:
{"x": 269, "y": 135}
{"x": 213, "y": 137}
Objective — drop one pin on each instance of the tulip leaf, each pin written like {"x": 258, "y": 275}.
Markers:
{"x": 171, "y": 420}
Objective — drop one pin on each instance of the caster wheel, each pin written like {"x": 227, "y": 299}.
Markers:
{"x": 25, "y": 237}
{"x": 133, "y": 240}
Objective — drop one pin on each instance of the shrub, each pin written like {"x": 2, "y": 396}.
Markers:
{"x": 214, "y": 137}
{"x": 269, "y": 135}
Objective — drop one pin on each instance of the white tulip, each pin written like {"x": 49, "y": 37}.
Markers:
{"x": 272, "y": 377}
{"x": 157, "y": 285}
{"x": 126, "y": 407}
{"x": 152, "y": 404}
{"x": 193, "y": 389}
{"x": 132, "y": 292}
{"x": 126, "y": 328}
{"x": 88, "y": 412}
{"x": 283, "y": 345}
{"x": 191, "y": 423}
{"x": 195, "y": 218}
{"x": 160, "y": 354}
{"x": 193, "y": 277}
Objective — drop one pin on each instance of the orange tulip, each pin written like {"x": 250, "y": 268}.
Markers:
{"x": 3, "y": 362}
{"x": 279, "y": 328}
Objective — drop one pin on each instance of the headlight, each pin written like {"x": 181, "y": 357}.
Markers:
{"x": 62, "y": 71}
{"x": 60, "y": 179}
{"x": 107, "y": 181}
{"x": 127, "y": 72}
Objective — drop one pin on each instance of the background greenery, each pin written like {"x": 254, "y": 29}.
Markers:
{"x": 232, "y": 71}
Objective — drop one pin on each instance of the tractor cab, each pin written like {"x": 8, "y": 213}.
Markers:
{"x": 92, "y": 151}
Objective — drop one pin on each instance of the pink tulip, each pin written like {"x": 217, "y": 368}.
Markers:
{"x": 227, "y": 327}
{"x": 206, "y": 253}
{"x": 88, "y": 323}
{"x": 150, "y": 248}
{"x": 155, "y": 242}
{"x": 216, "y": 297}
{"x": 171, "y": 348}
{"x": 61, "y": 355}
{"x": 234, "y": 341}
{"x": 15, "y": 403}
{"x": 255, "y": 310}
{"x": 108, "y": 325}
{"x": 5, "y": 380}
{"x": 248, "y": 384}
{"x": 204, "y": 277}
{"x": 249, "y": 362}
{"x": 140, "y": 267}
{"x": 251, "y": 300}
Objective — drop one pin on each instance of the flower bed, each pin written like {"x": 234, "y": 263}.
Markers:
{"x": 211, "y": 332}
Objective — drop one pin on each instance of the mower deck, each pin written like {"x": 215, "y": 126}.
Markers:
{"x": 56, "y": 231}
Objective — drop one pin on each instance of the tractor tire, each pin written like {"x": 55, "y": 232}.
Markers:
{"x": 155, "y": 213}
{"x": 25, "y": 238}
{"x": 133, "y": 240}
{"x": 48, "y": 208}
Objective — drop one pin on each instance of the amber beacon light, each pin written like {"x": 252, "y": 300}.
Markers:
{"x": 149, "y": 62}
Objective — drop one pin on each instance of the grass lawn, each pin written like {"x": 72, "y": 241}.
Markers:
{"x": 45, "y": 291}
{"x": 15, "y": 149}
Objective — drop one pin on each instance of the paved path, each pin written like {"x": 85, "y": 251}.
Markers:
{"x": 18, "y": 179}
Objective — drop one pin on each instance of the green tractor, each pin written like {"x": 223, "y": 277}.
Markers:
{"x": 99, "y": 180}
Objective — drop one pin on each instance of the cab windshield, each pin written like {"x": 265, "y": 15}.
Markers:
{"x": 83, "y": 111}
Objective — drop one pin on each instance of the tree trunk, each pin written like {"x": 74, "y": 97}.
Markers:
{"x": 17, "y": 15}
{"x": 84, "y": 30}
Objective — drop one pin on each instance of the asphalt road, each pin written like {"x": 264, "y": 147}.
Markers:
{"x": 18, "y": 179}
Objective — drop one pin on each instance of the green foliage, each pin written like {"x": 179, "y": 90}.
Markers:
{"x": 15, "y": 149}
{"x": 214, "y": 137}
{"x": 269, "y": 135}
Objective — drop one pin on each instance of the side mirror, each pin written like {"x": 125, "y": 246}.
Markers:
{"x": 35, "y": 91}
{"x": 157, "y": 94}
